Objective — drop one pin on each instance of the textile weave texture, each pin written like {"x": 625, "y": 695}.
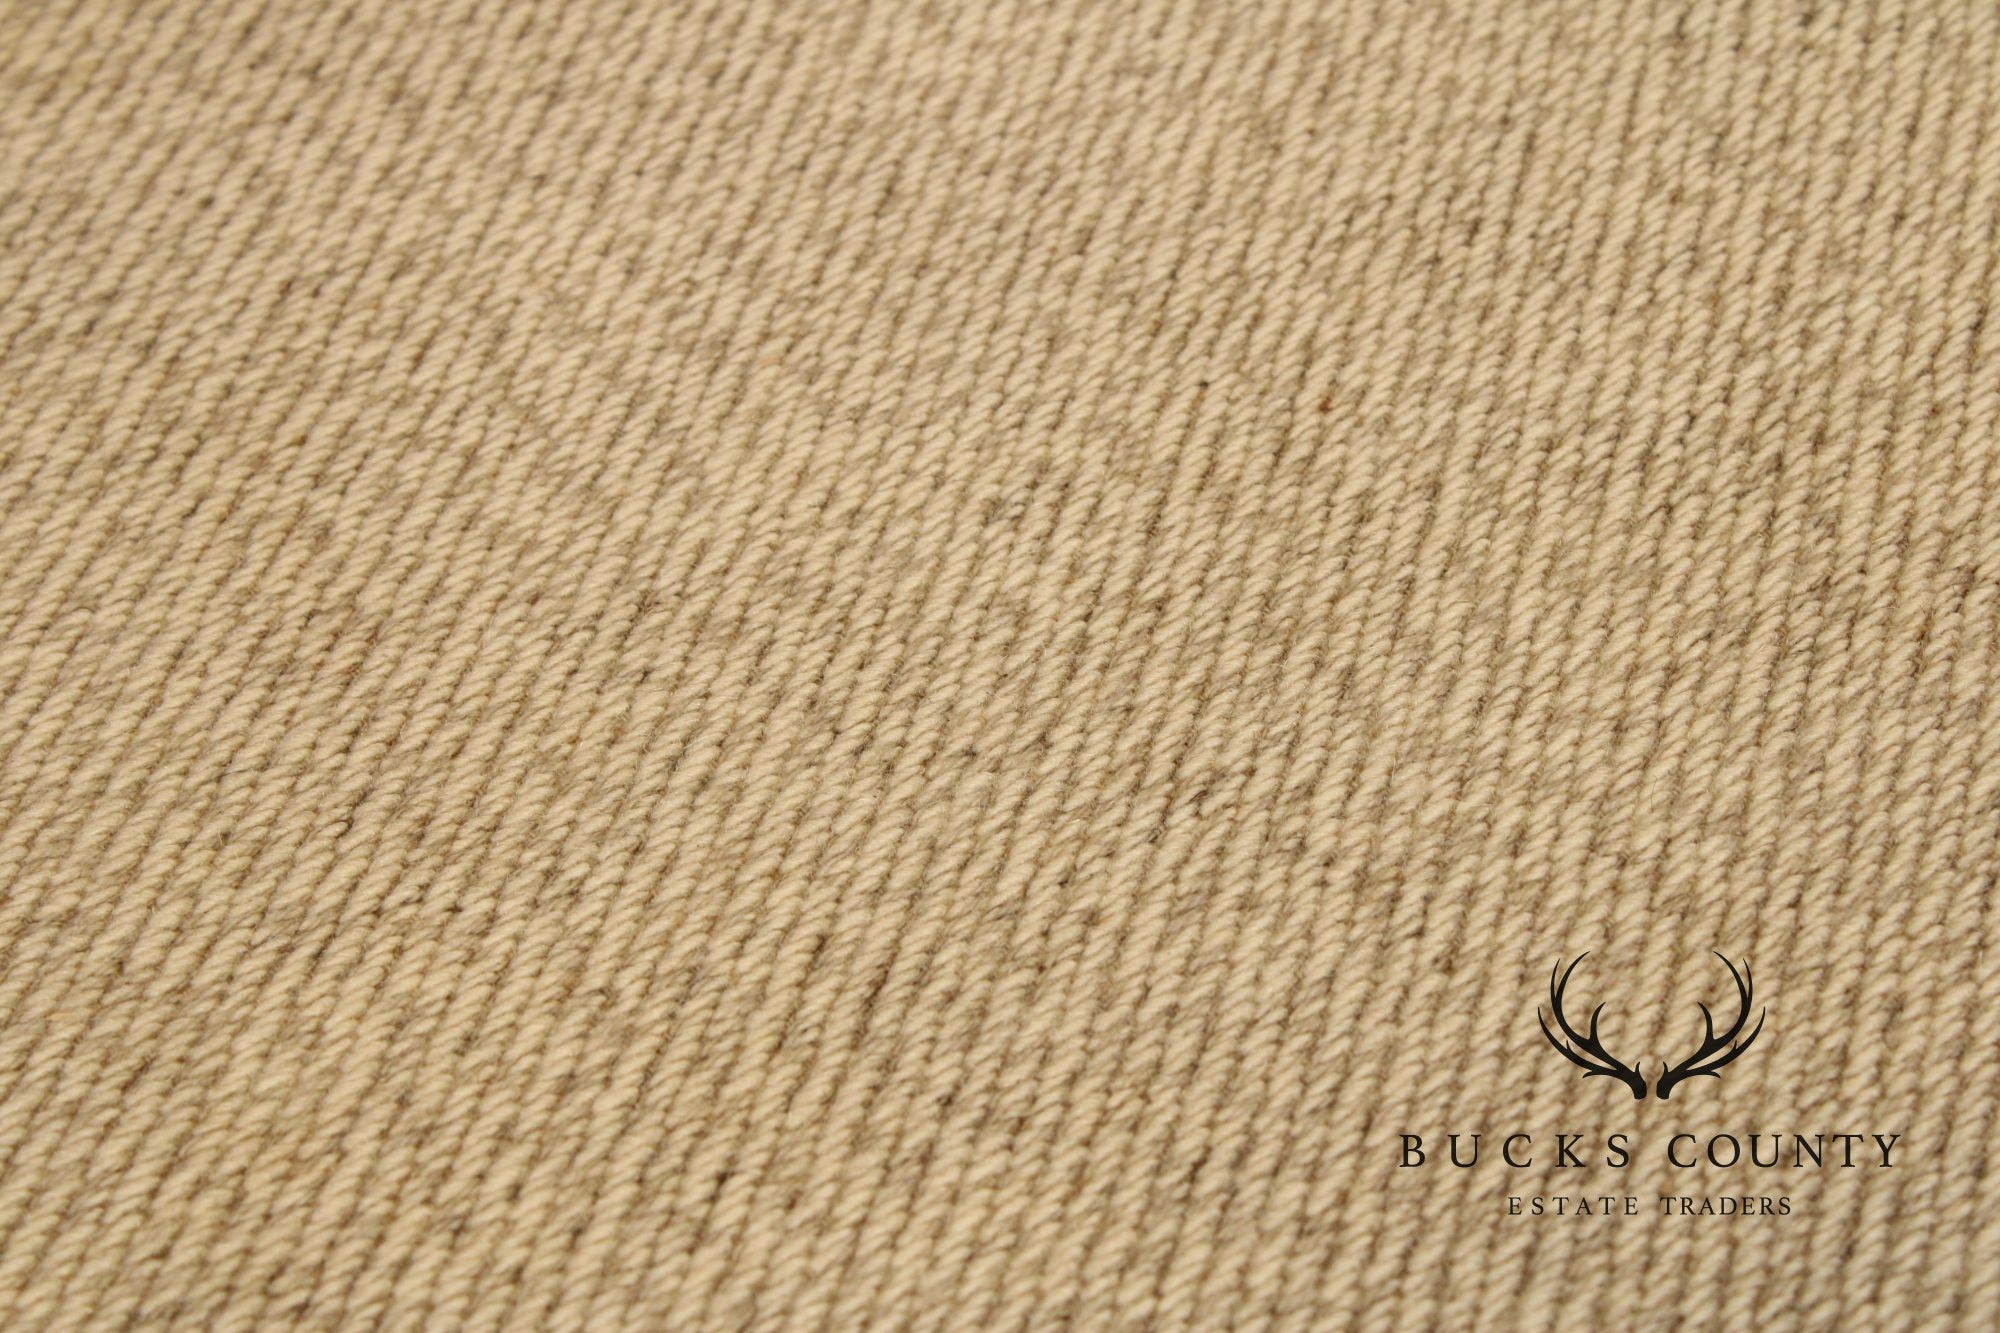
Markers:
{"x": 935, "y": 664}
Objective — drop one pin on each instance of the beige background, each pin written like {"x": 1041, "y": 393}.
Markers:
{"x": 930, "y": 665}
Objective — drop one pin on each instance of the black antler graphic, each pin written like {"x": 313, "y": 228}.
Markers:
{"x": 1590, "y": 1045}
{"x": 1712, "y": 1045}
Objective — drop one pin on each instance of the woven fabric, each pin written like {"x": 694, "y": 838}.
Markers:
{"x": 758, "y": 665}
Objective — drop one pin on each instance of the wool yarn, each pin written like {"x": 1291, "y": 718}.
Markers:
{"x": 939, "y": 664}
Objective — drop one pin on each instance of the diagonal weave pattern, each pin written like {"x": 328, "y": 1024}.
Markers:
{"x": 932, "y": 664}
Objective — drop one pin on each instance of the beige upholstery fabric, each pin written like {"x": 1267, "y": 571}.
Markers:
{"x": 750, "y": 665}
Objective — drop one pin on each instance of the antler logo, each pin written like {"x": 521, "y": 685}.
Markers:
{"x": 1587, "y": 1049}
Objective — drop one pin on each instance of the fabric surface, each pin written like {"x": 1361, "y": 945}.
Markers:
{"x": 752, "y": 665}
